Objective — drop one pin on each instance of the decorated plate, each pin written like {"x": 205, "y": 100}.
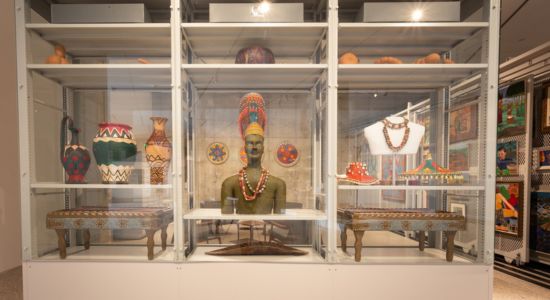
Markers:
{"x": 242, "y": 156}
{"x": 217, "y": 153}
{"x": 287, "y": 154}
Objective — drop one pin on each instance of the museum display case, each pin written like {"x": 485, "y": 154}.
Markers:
{"x": 214, "y": 134}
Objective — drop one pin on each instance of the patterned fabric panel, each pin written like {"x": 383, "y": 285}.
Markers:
{"x": 398, "y": 214}
{"x": 404, "y": 224}
{"x": 108, "y": 223}
{"x": 104, "y": 212}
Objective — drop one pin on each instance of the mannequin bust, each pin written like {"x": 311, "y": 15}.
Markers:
{"x": 256, "y": 191}
{"x": 396, "y": 128}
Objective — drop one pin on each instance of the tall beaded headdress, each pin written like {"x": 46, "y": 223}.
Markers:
{"x": 252, "y": 116}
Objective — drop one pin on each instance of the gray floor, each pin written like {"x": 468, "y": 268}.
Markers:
{"x": 506, "y": 287}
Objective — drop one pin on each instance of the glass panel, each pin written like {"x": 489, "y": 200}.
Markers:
{"x": 101, "y": 128}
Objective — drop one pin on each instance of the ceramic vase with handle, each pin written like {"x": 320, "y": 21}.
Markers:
{"x": 75, "y": 158}
{"x": 115, "y": 152}
{"x": 158, "y": 151}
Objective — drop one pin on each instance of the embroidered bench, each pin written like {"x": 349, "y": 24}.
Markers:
{"x": 360, "y": 220}
{"x": 150, "y": 219}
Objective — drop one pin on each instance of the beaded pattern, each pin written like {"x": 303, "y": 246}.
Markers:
{"x": 262, "y": 183}
{"x": 395, "y": 126}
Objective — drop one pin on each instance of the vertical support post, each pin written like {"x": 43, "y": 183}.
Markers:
{"x": 490, "y": 48}
{"x": 24, "y": 101}
{"x": 332, "y": 128}
{"x": 177, "y": 164}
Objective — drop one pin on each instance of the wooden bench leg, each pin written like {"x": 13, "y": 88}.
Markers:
{"x": 344, "y": 237}
{"x": 86, "y": 239}
{"x": 61, "y": 242}
{"x": 450, "y": 245}
{"x": 421, "y": 239}
{"x": 150, "y": 243}
{"x": 163, "y": 237}
{"x": 358, "y": 244}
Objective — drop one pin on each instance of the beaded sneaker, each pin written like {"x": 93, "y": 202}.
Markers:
{"x": 357, "y": 173}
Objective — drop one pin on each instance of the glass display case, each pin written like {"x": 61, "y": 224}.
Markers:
{"x": 296, "y": 133}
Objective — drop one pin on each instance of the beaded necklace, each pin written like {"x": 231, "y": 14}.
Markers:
{"x": 395, "y": 126}
{"x": 260, "y": 187}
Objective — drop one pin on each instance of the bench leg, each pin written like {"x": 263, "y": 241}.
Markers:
{"x": 163, "y": 237}
{"x": 61, "y": 243}
{"x": 358, "y": 244}
{"x": 150, "y": 243}
{"x": 86, "y": 239}
{"x": 450, "y": 245}
{"x": 421, "y": 239}
{"x": 344, "y": 237}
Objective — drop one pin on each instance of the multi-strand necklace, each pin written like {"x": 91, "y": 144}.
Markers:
{"x": 260, "y": 187}
{"x": 395, "y": 126}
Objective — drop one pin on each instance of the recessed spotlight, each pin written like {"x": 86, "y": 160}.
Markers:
{"x": 261, "y": 8}
{"x": 417, "y": 15}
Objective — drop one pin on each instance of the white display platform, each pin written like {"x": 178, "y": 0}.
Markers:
{"x": 252, "y": 281}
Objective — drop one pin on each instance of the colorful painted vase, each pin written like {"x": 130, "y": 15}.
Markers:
{"x": 115, "y": 152}
{"x": 75, "y": 158}
{"x": 158, "y": 151}
{"x": 255, "y": 55}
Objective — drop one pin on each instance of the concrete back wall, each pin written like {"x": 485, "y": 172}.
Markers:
{"x": 10, "y": 225}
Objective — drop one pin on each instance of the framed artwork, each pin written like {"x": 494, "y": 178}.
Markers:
{"x": 463, "y": 124}
{"x": 545, "y": 113}
{"x": 544, "y": 159}
{"x": 387, "y": 176}
{"x": 507, "y": 159}
{"x": 509, "y": 208}
{"x": 459, "y": 208}
{"x": 217, "y": 153}
{"x": 540, "y": 222}
{"x": 424, "y": 120}
{"x": 512, "y": 103}
{"x": 459, "y": 158}
{"x": 287, "y": 155}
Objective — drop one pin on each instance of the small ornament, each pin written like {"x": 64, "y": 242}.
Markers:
{"x": 260, "y": 187}
{"x": 287, "y": 155}
{"x": 218, "y": 153}
{"x": 396, "y": 126}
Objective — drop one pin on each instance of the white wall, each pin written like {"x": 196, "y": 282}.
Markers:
{"x": 10, "y": 225}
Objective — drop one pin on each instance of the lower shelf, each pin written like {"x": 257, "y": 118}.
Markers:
{"x": 199, "y": 255}
{"x": 398, "y": 256}
{"x": 112, "y": 253}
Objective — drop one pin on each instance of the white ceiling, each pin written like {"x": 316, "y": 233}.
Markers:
{"x": 529, "y": 28}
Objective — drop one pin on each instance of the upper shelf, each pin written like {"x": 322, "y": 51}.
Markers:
{"x": 224, "y": 40}
{"x": 290, "y": 214}
{"x": 259, "y": 76}
{"x": 403, "y": 76}
{"x": 104, "y": 40}
{"x": 404, "y": 39}
{"x": 414, "y": 187}
{"x": 106, "y": 76}
{"x": 55, "y": 185}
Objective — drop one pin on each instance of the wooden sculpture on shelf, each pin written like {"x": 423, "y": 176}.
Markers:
{"x": 434, "y": 58}
{"x": 348, "y": 58}
{"x": 256, "y": 190}
{"x": 255, "y": 55}
{"x": 59, "y": 56}
{"x": 388, "y": 60}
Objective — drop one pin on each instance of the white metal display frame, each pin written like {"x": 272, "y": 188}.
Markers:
{"x": 327, "y": 280}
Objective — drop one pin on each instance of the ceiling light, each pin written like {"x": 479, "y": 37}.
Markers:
{"x": 261, "y": 9}
{"x": 417, "y": 15}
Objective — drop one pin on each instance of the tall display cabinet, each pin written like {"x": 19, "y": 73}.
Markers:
{"x": 170, "y": 82}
